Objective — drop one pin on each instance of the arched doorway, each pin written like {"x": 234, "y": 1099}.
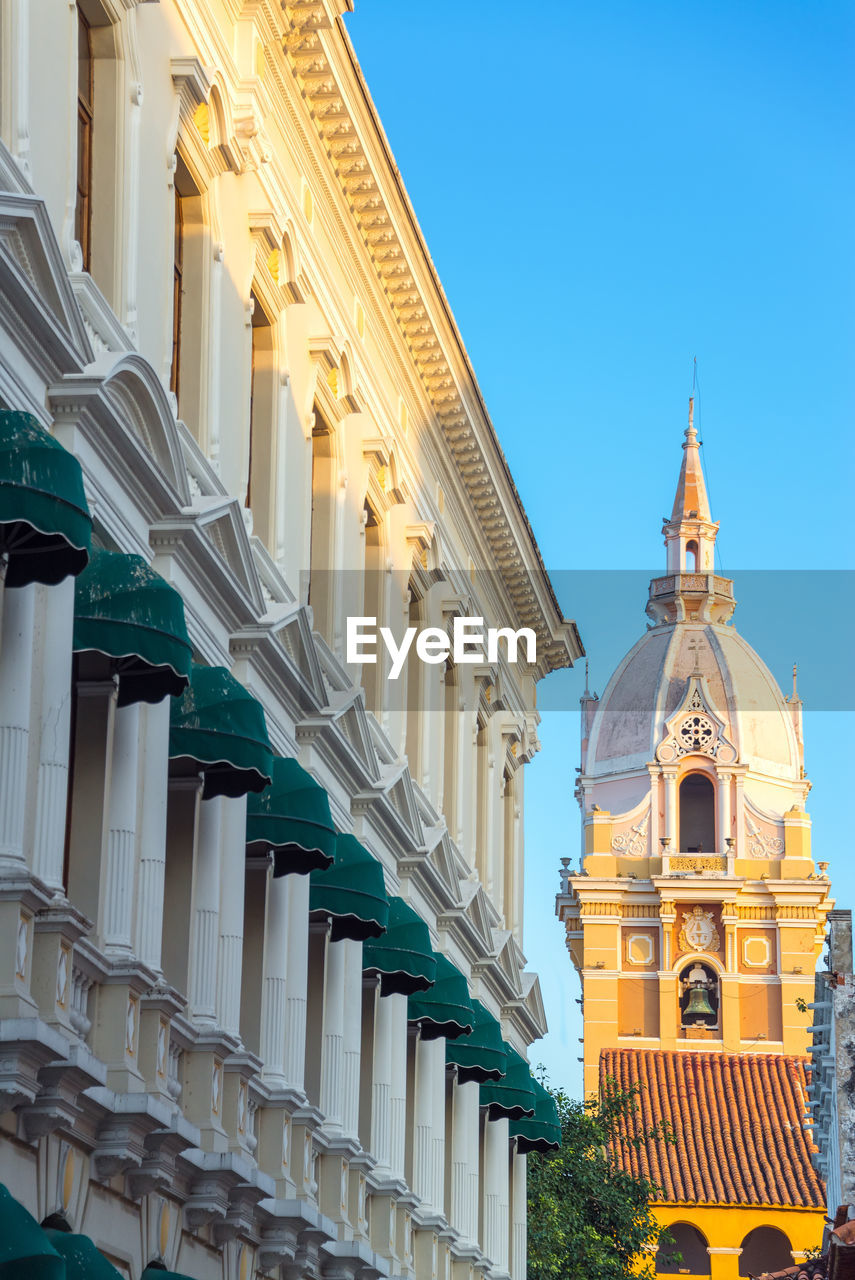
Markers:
{"x": 685, "y": 1254}
{"x": 697, "y": 814}
{"x": 765, "y": 1249}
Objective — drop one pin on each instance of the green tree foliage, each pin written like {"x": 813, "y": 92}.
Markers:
{"x": 585, "y": 1217}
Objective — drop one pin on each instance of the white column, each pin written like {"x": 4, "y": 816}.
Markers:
{"x": 274, "y": 980}
{"x": 381, "y": 1081}
{"x": 332, "y": 1039}
{"x": 464, "y": 1161}
{"x": 351, "y": 1034}
{"x": 232, "y": 885}
{"x": 296, "y": 978}
{"x": 495, "y": 1242}
{"x": 740, "y": 815}
{"x": 429, "y": 1123}
{"x": 393, "y": 1009}
{"x": 16, "y": 671}
{"x": 655, "y": 848}
{"x": 670, "y": 777}
{"x": 204, "y": 921}
{"x": 724, "y": 810}
{"x": 438, "y": 1129}
{"x": 519, "y": 1218}
{"x": 154, "y": 781}
{"x": 120, "y": 855}
{"x": 54, "y": 733}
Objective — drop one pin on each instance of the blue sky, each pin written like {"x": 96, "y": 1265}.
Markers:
{"x": 607, "y": 190}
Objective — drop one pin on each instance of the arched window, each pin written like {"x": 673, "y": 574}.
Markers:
{"x": 261, "y": 450}
{"x": 685, "y": 1254}
{"x": 700, "y": 996}
{"x": 765, "y": 1249}
{"x": 692, "y": 564}
{"x": 188, "y": 286}
{"x": 697, "y": 814}
{"x": 322, "y": 529}
{"x": 100, "y": 174}
{"x": 375, "y": 583}
{"x": 85, "y": 121}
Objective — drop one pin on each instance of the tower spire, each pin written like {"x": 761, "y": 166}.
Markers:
{"x": 691, "y": 501}
{"x": 692, "y": 591}
{"x": 690, "y": 533}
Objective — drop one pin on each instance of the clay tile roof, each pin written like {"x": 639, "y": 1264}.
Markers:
{"x": 738, "y": 1120}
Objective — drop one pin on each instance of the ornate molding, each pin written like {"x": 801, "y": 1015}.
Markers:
{"x": 696, "y": 728}
{"x": 469, "y": 435}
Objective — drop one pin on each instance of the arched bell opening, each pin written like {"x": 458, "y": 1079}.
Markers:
{"x": 700, "y": 997}
{"x": 697, "y": 814}
{"x": 765, "y": 1249}
{"x": 685, "y": 1253}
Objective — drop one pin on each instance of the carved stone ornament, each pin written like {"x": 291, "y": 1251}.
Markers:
{"x": 698, "y": 932}
{"x": 761, "y": 845}
{"x": 696, "y": 728}
{"x": 633, "y": 841}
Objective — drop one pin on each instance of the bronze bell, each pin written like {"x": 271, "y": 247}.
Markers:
{"x": 699, "y": 1004}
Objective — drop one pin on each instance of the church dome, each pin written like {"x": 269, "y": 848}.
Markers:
{"x": 652, "y": 680}
{"x": 692, "y": 660}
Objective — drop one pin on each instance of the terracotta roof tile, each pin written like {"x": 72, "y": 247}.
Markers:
{"x": 738, "y": 1120}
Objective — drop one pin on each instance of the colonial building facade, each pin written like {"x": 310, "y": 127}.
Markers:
{"x": 697, "y": 915}
{"x": 264, "y": 1008}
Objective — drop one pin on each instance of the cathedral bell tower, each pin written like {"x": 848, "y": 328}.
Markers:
{"x": 697, "y": 913}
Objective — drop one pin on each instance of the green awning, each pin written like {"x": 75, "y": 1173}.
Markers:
{"x": 514, "y": 1096}
{"x": 445, "y": 1010}
{"x": 122, "y": 608}
{"x": 45, "y": 525}
{"x": 25, "y": 1251}
{"x": 403, "y": 956}
{"x": 352, "y": 892}
{"x": 481, "y": 1056}
{"x": 291, "y": 820}
{"x": 218, "y": 725}
{"x": 82, "y": 1260}
{"x": 543, "y": 1131}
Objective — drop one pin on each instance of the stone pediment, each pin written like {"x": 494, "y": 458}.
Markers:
{"x": 222, "y": 523}
{"x": 295, "y": 636}
{"x": 33, "y": 278}
{"x": 696, "y": 728}
{"x": 347, "y": 712}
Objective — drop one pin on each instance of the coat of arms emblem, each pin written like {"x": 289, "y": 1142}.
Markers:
{"x": 698, "y": 932}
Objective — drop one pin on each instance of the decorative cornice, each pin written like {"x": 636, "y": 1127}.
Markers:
{"x": 325, "y": 67}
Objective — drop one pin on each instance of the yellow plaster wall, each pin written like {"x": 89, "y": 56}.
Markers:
{"x": 726, "y": 1226}
{"x": 638, "y": 1007}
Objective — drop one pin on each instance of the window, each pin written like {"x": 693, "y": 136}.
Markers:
{"x": 375, "y": 582}
{"x": 697, "y": 814}
{"x": 692, "y": 556}
{"x": 177, "y": 293}
{"x": 262, "y": 408}
{"x": 322, "y": 531}
{"x": 85, "y": 118}
{"x": 189, "y": 289}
